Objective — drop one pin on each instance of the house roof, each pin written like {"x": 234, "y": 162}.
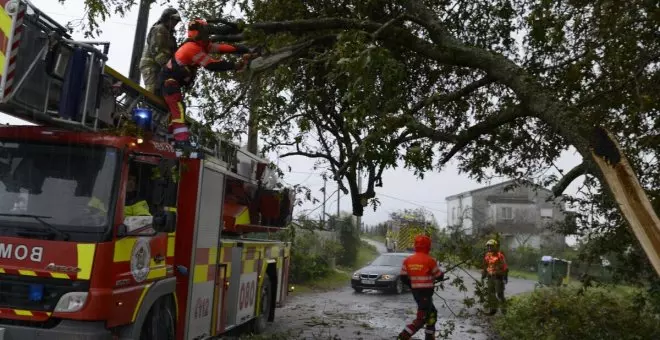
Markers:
{"x": 502, "y": 184}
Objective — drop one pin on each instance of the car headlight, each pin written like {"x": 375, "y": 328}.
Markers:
{"x": 388, "y": 277}
{"x": 71, "y": 302}
{"x": 356, "y": 275}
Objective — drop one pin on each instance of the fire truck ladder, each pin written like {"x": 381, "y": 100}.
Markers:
{"x": 59, "y": 82}
{"x": 63, "y": 83}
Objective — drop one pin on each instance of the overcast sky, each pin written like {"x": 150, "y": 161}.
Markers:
{"x": 400, "y": 187}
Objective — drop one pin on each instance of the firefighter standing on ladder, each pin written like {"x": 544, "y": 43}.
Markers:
{"x": 181, "y": 69}
{"x": 161, "y": 45}
{"x": 496, "y": 271}
{"x": 420, "y": 271}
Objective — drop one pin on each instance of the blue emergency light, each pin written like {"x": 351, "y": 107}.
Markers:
{"x": 142, "y": 117}
{"x": 36, "y": 292}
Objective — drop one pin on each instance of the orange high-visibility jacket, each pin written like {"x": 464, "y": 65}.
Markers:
{"x": 495, "y": 263}
{"x": 422, "y": 270}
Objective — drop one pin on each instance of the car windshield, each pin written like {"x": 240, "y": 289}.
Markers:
{"x": 63, "y": 185}
{"x": 389, "y": 260}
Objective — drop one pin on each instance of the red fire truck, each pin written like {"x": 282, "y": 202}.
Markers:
{"x": 107, "y": 233}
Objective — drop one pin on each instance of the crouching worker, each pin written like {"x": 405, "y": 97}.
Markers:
{"x": 180, "y": 71}
{"x": 420, "y": 272}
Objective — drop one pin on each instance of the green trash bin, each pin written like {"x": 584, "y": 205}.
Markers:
{"x": 552, "y": 271}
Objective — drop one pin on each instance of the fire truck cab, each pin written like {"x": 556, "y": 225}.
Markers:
{"x": 105, "y": 232}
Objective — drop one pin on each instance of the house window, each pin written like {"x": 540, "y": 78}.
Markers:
{"x": 506, "y": 213}
{"x": 546, "y": 214}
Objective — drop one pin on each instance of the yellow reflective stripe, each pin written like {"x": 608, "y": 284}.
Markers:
{"x": 2, "y": 271}
{"x": 5, "y": 22}
{"x": 2, "y": 62}
{"x": 170, "y": 245}
{"x": 27, "y": 272}
{"x": 85, "y": 259}
{"x": 123, "y": 249}
{"x": 156, "y": 270}
{"x": 201, "y": 273}
{"x": 213, "y": 255}
{"x": 170, "y": 209}
{"x": 243, "y": 217}
{"x": 139, "y": 303}
{"x": 183, "y": 114}
{"x": 59, "y": 275}
{"x": 22, "y": 312}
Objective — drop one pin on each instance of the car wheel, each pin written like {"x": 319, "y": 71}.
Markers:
{"x": 357, "y": 289}
{"x": 398, "y": 286}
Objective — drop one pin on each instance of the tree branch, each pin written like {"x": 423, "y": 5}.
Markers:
{"x": 579, "y": 170}
{"x": 299, "y": 152}
{"x": 473, "y": 132}
{"x": 449, "y": 97}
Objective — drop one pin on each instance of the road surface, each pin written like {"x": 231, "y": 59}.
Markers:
{"x": 344, "y": 314}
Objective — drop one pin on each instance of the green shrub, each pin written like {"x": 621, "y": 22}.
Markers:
{"x": 554, "y": 314}
{"x": 310, "y": 257}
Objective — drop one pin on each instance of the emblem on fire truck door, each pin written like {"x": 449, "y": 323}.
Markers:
{"x": 140, "y": 258}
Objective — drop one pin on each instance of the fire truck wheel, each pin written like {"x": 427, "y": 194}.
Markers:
{"x": 260, "y": 323}
{"x": 160, "y": 321}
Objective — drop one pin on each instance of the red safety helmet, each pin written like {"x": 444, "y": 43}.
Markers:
{"x": 422, "y": 244}
{"x": 198, "y": 29}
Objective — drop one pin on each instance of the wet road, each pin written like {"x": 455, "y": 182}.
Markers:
{"x": 344, "y": 314}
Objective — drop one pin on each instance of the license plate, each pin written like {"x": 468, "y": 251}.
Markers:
{"x": 364, "y": 282}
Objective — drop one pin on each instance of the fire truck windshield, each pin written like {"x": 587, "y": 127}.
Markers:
{"x": 71, "y": 185}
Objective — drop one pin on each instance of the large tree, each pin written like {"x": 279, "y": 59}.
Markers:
{"x": 501, "y": 86}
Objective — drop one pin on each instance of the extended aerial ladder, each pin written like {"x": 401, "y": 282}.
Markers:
{"x": 63, "y": 83}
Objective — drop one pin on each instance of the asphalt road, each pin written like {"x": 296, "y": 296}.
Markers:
{"x": 344, "y": 314}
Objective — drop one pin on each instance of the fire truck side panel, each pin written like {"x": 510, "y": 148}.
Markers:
{"x": 218, "y": 298}
{"x": 233, "y": 272}
{"x": 205, "y": 256}
{"x": 188, "y": 197}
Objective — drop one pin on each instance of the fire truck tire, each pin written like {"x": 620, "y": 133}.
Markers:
{"x": 260, "y": 323}
{"x": 160, "y": 321}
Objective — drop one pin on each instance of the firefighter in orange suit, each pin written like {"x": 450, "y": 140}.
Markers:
{"x": 420, "y": 271}
{"x": 181, "y": 69}
{"x": 496, "y": 271}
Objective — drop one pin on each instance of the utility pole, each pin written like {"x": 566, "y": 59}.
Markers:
{"x": 138, "y": 41}
{"x": 324, "y": 199}
{"x": 338, "y": 197}
{"x": 359, "y": 218}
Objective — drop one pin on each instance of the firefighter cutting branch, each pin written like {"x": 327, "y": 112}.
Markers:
{"x": 496, "y": 272}
{"x": 180, "y": 71}
{"x": 420, "y": 271}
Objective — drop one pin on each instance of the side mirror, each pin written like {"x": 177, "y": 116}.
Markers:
{"x": 165, "y": 222}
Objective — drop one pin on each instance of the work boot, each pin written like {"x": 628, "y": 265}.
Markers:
{"x": 429, "y": 334}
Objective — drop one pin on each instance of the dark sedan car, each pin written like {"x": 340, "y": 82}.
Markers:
{"x": 381, "y": 274}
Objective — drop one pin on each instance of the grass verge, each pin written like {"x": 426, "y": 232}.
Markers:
{"x": 341, "y": 275}
{"x": 523, "y": 275}
{"x": 378, "y": 238}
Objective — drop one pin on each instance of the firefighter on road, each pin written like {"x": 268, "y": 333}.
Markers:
{"x": 496, "y": 271}
{"x": 161, "y": 45}
{"x": 179, "y": 72}
{"x": 420, "y": 271}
